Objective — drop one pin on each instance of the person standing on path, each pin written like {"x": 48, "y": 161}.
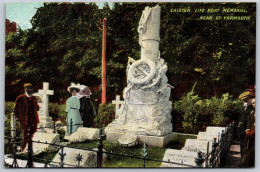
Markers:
{"x": 243, "y": 120}
{"x": 249, "y": 160}
{"x": 25, "y": 110}
{"x": 87, "y": 107}
{"x": 72, "y": 109}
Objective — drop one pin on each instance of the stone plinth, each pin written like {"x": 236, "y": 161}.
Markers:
{"x": 156, "y": 141}
{"x": 45, "y": 121}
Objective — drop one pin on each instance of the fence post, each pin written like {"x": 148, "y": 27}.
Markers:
{"x": 71, "y": 122}
{"x": 14, "y": 150}
{"x": 54, "y": 127}
{"x": 96, "y": 103}
{"x": 222, "y": 148}
{"x": 207, "y": 164}
{"x": 13, "y": 125}
{"x": 30, "y": 152}
{"x": 226, "y": 138}
{"x": 46, "y": 163}
{"x": 62, "y": 155}
{"x": 199, "y": 160}
{"x": 213, "y": 147}
{"x": 144, "y": 152}
{"x": 233, "y": 128}
{"x": 100, "y": 151}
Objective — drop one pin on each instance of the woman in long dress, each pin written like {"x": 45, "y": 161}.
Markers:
{"x": 72, "y": 109}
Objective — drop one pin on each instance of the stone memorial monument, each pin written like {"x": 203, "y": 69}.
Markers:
{"x": 146, "y": 110}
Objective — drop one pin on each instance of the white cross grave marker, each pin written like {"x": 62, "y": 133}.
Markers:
{"x": 45, "y": 92}
{"x": 117, "y": 102}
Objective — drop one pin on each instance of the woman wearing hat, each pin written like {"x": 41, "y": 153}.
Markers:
{"x": 87, "y": 107}
{"x": 72, "y": 108}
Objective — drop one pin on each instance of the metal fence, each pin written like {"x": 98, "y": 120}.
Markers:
{"x": 215, "y": 158}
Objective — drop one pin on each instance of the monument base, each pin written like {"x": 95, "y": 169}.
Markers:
{"x": 156, "y": 141}
{"x": 45, "y": 122}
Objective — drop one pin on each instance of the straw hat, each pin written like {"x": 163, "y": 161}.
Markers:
{"x": 73, "y": 85}
{"x": 244, "y": 95}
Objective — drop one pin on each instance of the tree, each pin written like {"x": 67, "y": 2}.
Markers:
{"x": 64, "y": 45}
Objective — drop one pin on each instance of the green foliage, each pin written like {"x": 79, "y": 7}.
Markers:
{"x": 66, "y": 47}
{"x": 59, "y": 110}
{"x": 120, "y": 161}
{"x": 208, "y": 51}
{"x": 197, "y": 111}
{"x": 106, "y": 113}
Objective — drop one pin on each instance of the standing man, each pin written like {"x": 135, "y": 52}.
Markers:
{"x": 249, "y": 160}
{"x": 25, "y": 109}
{"x": 87, "y": 107}
{"x": 243, "y": 121}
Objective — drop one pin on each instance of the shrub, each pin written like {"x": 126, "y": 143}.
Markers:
{"x": 106, "y": 113}
{"x": 197, "y": 112}
{"x": 58, "y": 111}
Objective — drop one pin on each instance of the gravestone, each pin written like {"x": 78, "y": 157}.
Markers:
{"x": 83, "y": 134}
{"x": 209, "y": 136}
{"x": 215, "y": 129}
{"x": 89, "y": 158}
{"x": 179, "y": 156}
{"x": 43, "y": 101}
{"x": 46, "y": 138}
{"x": 197, "y": 144}
{"x": 146, "y": 110}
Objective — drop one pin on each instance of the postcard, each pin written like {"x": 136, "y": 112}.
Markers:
{"x": 130, "y": 85}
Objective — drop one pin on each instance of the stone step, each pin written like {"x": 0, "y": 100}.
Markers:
{"x": 233, "y": 159}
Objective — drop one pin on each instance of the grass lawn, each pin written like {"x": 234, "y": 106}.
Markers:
{"x": 114, "y": 161}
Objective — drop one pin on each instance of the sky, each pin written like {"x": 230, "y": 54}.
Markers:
{"x": 22, "y": 12}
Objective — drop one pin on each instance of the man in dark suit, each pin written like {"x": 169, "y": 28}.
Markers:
{"x": 25, "y": 109}
{"x": 243, "y": 120}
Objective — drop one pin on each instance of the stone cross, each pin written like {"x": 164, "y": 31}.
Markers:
{"x": 45, "y": 92}
{"x": 117, "y": 102}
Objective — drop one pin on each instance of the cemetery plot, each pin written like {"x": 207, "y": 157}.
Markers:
{"x": 208, "y": 136}
{"x": 215, "y": 129}
{"x": 75, "y": 157}
{"x": 179, "y": 156}
{"x": 197, "y": 144}
{"x": 46, "y": 138}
